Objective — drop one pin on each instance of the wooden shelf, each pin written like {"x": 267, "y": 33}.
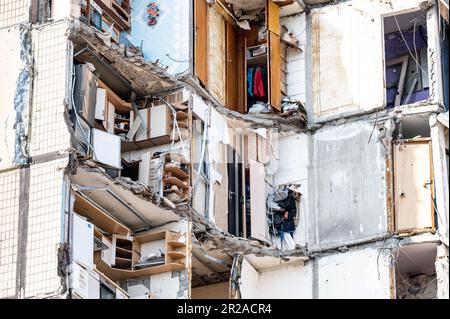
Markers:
{"x": 120, "y": 130}
{"x": 117, "y": 119}
{"x": 181, "y": 116}
{"x": 115, "y": 99}
{"x": 176, "y": 255}
{"x": 123, "y": 253}
{"x": 178, "y": 172}
{"x": 176, "y": 181}
{"x": 182, "y": 196}
{"x": 183, "y": 125}
{"x": 260, "y": 59}
{"x": 259, "y": 44}
{"x": 176, "y": 244}
{"x": 122, "y": 263}
{"x": 98, "y": 216}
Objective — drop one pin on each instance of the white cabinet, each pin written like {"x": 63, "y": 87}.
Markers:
{"x": 160, "y": 124}
{"x": 82, "y": 241}
{"x": 107, "y": 148}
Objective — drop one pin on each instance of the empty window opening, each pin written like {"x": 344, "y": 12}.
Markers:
{"x": 413, "y": 126}
{"x": 415, "y": 272}
{"x": 406, "y": 59}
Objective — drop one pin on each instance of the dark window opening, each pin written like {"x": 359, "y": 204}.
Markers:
{"x": 406, "y": 59}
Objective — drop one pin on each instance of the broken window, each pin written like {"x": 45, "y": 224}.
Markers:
{"x": 415, "y": 271}
{"x": 406, "y": 58}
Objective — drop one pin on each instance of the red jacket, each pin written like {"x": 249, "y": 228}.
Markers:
{"x": 258, "y": 84}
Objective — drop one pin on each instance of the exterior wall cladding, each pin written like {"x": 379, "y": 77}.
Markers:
{"x": 302, "y": 153}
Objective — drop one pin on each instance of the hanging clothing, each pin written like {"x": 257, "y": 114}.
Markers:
{"x": 258, "y": 84}
{"x": 288, "y": 204}
{"x": 265, "y": 78}
{"x": 250, "y": 81}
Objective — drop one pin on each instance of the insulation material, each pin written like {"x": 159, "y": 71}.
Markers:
{"x": 14, "y": 12}
{"x": 14, "y": 100}
{"x": 9, "y": 221}
{"x": 44, "y": 228}
{"x": 50, "y": 132}
{"x": 217, "y": 72}
{"x": 350, "y": 188}
{"x": 365, "y": 271}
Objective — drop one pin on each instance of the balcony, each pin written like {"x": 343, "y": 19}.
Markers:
{"x": 118, "y": 11}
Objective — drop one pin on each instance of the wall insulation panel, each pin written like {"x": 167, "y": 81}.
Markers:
{"x": 49, "y": 132}
{"x": 14, "y": 12}
{"x": 44, "y": 228}
{"x": 9, "y": 223}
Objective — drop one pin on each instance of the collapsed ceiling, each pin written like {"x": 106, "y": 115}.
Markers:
{"x": 145, "y": 77}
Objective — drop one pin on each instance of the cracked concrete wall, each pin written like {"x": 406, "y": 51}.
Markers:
{"x": 15, "y": 85}
{"x": 349, "y": 189}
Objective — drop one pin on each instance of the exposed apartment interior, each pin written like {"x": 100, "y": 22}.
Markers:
{"x": 246, "y": 41}
{"x": 224, "y": 149}
{"x": 406, "y": 58}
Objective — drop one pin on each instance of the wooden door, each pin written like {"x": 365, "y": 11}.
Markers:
{"x": 274, "y": 55}
{"x": 232, "y": 63}
{"x": 413, "y": 185}
{"x": 201, "y": 41}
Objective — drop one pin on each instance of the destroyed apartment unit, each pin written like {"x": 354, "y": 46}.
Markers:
{"x": 224, "y": 149}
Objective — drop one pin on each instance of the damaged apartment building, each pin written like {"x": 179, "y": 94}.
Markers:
{"x": 224, "y": 149}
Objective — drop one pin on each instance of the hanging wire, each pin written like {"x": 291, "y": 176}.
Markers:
{"x": 407, "y": 46}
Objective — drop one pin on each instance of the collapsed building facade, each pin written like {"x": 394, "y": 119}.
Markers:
{"x": 224, "y": 149}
